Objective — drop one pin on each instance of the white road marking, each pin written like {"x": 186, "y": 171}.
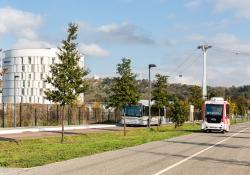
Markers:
{"x": 196, "y": 154}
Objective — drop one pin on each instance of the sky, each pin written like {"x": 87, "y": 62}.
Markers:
{"x": 161, "y": 32}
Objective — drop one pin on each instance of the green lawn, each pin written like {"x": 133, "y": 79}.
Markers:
{"x": 238, "y": 120}
{"x": 35, "y": 152}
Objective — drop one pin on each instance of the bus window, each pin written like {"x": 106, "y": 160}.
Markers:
{"x": 133, "y": 111}
{"x": 154, "y": 111}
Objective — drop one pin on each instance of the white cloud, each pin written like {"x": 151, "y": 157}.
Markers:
{"x": 93, "y": 50}
{"x": 230, "y": 41}
{"x": 193, "y": 4}
{"x": 23, "y": 26}
{"x": 24, "y": 43}
{"x": 124, "y": 33}
{"x": 228, "y": 63}
{"x": 19, "y": 23}
{"x": 84, "y": 26}
{"x": 248, "y": 70}
{"x": 196, "y": 37}
{"x": 239, "y": 7}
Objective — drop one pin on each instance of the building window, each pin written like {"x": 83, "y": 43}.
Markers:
{"x": 23, "y": 83}
{"x": 41, "y": 91}
{"x": 43, "y": 68}
{"x": 22, "y": 91}
{"x": 29, "y": 76}
{"x": 32, "y": 92}
{"x": 28, "y": 83}
{"x": 29, "y": 60}
{"x": 22, "y": 60}
{"x": 41, "y": 60}
{"x": 53, "y": 60}
{"x": 30, "y": 99}
{"x": 32, "y": 68}
{"x": 41, "y": 76}
{"x": 23, "y": 68}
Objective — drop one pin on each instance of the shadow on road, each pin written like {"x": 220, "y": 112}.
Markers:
{"x": 210, "y": 159}
{"x": 206, "y": 144}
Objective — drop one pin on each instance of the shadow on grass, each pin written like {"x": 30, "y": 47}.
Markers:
{"x": 67, "y": 132}
{"x": 181, "y": 130}
{"x": 6, "y": 139}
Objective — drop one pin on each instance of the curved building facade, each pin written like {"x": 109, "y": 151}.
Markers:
{"x": 27, "y": 71}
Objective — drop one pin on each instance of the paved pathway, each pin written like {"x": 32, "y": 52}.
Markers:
{"x": 195, "y": 154}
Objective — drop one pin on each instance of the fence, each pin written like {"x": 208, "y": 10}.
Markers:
{"x": 50, "y": 115}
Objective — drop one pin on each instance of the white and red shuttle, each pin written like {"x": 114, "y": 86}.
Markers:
{"x": 216, "y": 115}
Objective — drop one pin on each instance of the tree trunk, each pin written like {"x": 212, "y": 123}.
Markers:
{"x": 124, "y": 123}
{"x": 62, "y": 138}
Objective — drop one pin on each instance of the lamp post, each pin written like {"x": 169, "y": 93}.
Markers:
{"x": 3, "y": 72}
{"x": 204, "y": 49}
{"x": 149, "y": 94}
{"x": 15, "y": 77}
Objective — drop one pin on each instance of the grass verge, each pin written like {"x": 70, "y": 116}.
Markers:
{"x": 36, "y": 152}
{"x": 238, "y": 120}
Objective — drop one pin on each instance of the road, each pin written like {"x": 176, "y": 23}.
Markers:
{"x": 195, "y": 154}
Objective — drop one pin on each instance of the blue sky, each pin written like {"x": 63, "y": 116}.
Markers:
{"x": 162, "y": 32}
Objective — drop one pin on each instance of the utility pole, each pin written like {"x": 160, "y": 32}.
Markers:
{"x": 2, "y": 73}
{"x": 149, "y": 94}
{"x": 204, "y": 49}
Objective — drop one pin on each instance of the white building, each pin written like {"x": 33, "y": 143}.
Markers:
{"x": 27, "y": 71}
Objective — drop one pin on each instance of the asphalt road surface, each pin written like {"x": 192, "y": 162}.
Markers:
{"x": 195, "y": 154}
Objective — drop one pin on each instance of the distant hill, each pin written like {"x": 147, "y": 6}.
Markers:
{"x": 99, "y": 90}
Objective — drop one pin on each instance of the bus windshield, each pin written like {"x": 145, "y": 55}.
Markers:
{"x": 133, "y": 111}
{"x": 214, "y": 113}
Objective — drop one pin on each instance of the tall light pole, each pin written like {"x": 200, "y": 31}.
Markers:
{"x": 15, "y": 77}
{"x": 149, "y": 94}
{"x": 2, "y": 73}
{"x": 204, "y": 49}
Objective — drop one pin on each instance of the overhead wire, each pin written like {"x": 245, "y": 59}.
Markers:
{"x": 193, "y": 61}
{"x": 183, "y": 62}
{"x": 233, "y": 51}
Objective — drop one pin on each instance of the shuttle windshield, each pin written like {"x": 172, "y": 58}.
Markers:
{"x": 214, "y": 113}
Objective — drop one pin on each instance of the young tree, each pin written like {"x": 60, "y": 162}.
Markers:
{"x": 67, "y": 77}
{"x": 242, "y": 105}
{"x": 196, "y": 98}
{"x": 178, "y": 111}
{"x": 124, "y": 89}
{"x": 160, "y": 93}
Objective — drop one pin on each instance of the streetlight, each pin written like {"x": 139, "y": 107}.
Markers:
{"x": 204, "y": 49}
{"x": 15, "y": 77}
{"x": 2, "y": 73}
{"x": 149, "y": 94}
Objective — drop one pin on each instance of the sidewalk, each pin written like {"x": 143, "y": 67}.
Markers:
{"x": 19, "y": 130}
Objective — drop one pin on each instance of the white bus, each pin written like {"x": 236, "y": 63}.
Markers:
{"x": 138, "y": 114}
{"x": 216, "y": 115}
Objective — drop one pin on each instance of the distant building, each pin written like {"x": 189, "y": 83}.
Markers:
{"x": 30, "y": 67}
